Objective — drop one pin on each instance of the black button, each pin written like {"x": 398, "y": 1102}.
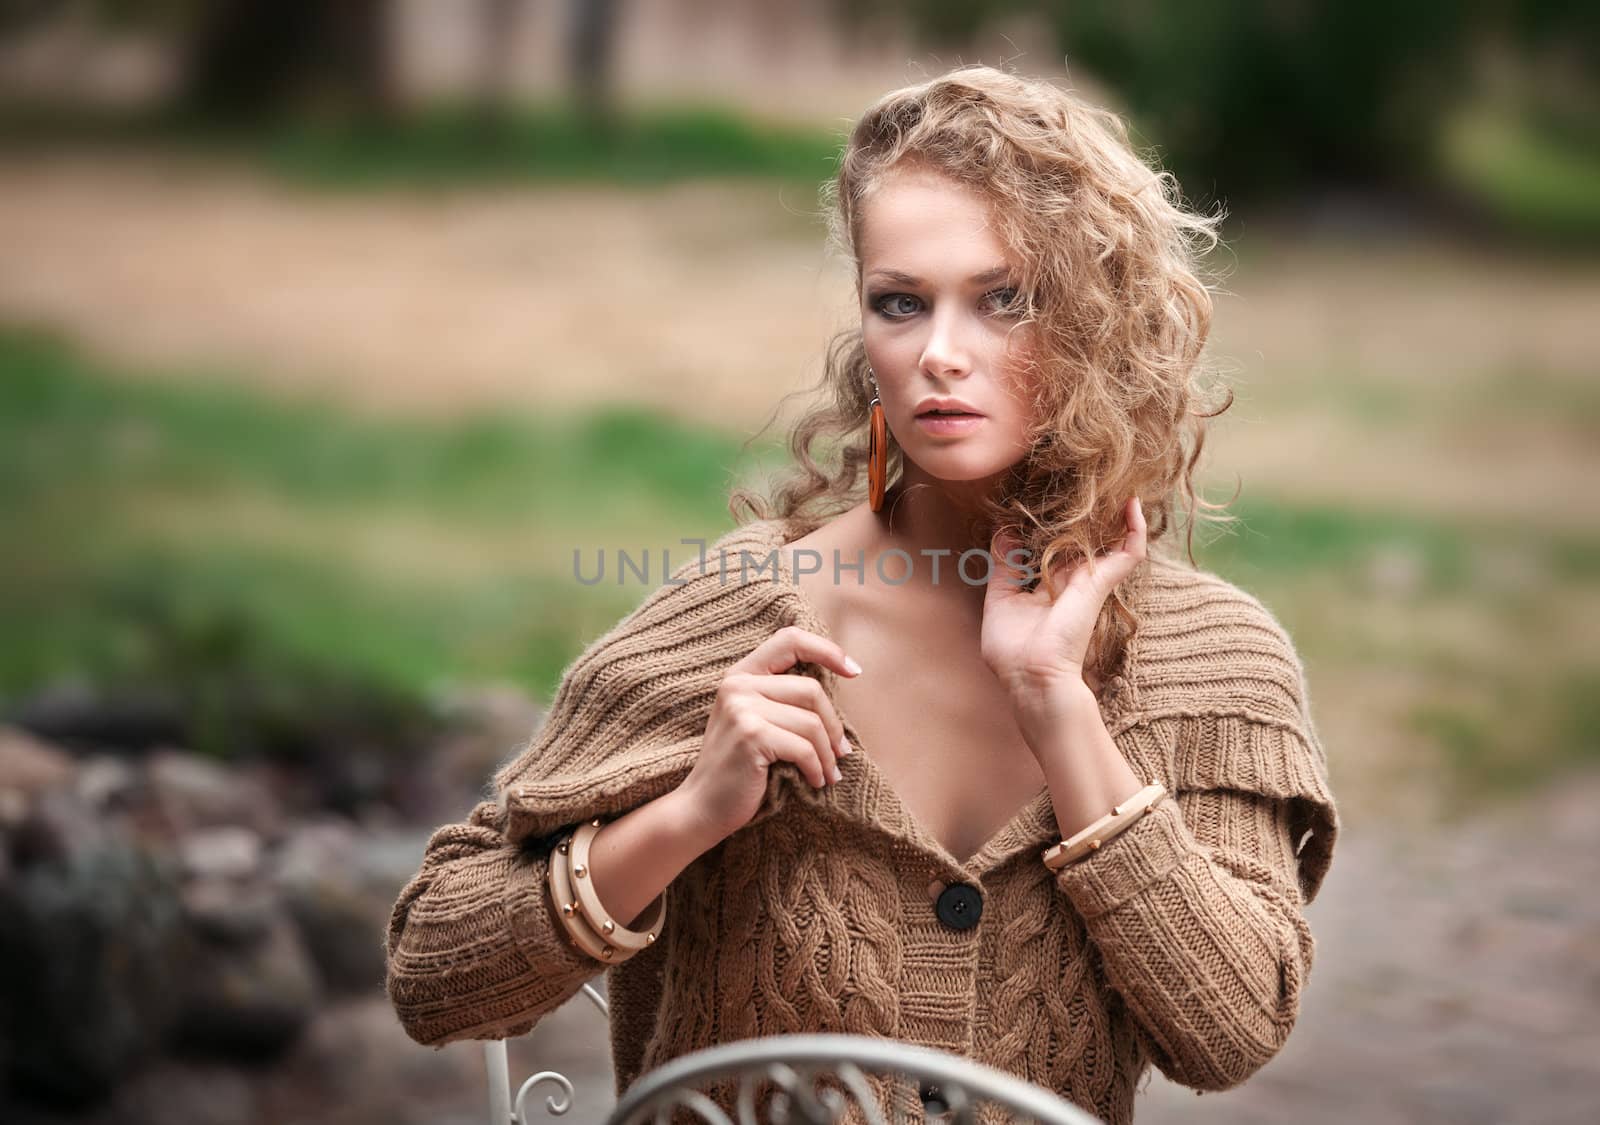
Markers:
{"x": 932, "y": 1100}
{"x": 959, "y": 906}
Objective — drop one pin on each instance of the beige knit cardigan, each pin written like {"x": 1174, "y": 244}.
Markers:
{"x": 1180, "y": 943}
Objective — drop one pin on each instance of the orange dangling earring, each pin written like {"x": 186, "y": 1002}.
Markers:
{"x": 877, "y": 449}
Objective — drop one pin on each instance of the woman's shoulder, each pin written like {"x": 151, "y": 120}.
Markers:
{"x": 1207, "y": 642}
{"x": 1215, "y": 667}
{"x": 625, "y": 721}
{"x": 1175, "y": 587}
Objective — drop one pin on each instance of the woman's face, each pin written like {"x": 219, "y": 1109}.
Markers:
{"x": 937, "y": 304}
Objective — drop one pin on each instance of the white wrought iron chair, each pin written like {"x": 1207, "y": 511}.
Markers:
{"x": 791, "y": 1073}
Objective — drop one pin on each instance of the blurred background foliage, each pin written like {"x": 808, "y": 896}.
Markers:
{"x": 1486, "y": 107}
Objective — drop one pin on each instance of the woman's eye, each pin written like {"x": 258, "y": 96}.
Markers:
{"x": 883, "y": 305}
{"x": 1011, "y": 302}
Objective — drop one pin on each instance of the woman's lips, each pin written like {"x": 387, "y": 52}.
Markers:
{"x": 949, "y": 424}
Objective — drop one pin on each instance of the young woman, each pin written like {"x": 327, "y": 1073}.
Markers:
{"x": 1040, "y": 794}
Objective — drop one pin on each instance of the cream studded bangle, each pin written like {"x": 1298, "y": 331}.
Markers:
{"x": 645, "y": 928}
{"x": 578, "y": 931}
{"x": 1118, "y": 820}
{"x": 589, "y": 927}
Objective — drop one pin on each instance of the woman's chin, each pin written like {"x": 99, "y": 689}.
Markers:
{"x": 949, "y": 467}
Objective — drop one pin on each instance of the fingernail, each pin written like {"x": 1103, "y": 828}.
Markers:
{"x": 845, "y": 749}
{"x": 851, "y": 666}
{"x": 837, "y": 776}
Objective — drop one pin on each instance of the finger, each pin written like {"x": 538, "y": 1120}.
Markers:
{"x": 1138, "y": 540}
{"x": 808, "y": 725}
{"x": 1135, "y": 540}
{"x": 1110, "y": 566}
{"x": 787, "y": 746}
{"x": 791, "y": 645}
{"x": 1118, "y": 564}
{"x": 803, "y": 691}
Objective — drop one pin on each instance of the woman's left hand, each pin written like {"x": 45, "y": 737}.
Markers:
{"x": 1037, "y": 641}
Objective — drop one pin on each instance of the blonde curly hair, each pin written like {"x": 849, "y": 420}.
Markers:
{"x": 1110, "y": 265}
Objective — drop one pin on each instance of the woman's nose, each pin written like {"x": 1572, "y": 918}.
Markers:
{"x": 945, "y": 353}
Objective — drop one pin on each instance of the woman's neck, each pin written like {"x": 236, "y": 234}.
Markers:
{"x": 922, "y": 514}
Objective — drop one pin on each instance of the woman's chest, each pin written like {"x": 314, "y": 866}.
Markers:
{"x": 934, "y": 721}
{"x": 952, "y": 756}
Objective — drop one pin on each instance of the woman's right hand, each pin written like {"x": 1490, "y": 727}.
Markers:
{"x": 764, "y": 715}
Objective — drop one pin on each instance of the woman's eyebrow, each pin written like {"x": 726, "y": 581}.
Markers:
{"x": 994, "y": 273}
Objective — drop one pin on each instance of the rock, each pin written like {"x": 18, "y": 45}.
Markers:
{"x": 106, "y": 783}
{"x": 227, "y": 913}
{"x": 55, "y": 826}
{"x": 358, "y": 774}
{"x": 13, "y": 811}
{"x": 194, "y": 793}
{"x": 28, "y": 764}
{"x": 220, "y": 853}
{"x": 91, "y": 949}
{"x": 339, "y": 890}
{"x": 247, "y": 1000}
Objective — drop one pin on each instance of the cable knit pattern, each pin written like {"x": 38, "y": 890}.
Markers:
{"x": 1180, "y": 943}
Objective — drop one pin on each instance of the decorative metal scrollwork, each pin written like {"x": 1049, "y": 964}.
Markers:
{"x": 503, "y": 1109}
{"x": 799, "y": 1080}
{"x": 790, "y": 1068}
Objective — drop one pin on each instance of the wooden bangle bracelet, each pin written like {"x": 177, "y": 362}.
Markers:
{"x": 579, "y": 932}
{"x": 1113, "y": 824}
{"x": 645, "y": 928}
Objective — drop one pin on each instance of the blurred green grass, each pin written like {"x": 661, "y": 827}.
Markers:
{"x": 211, "y": 503}
{"x": 185, "y": 530}
{"x": 1470, "y": 642}
{"x": 160, "y": 436}
{"x": 1510, "y": 735}
{"x": 1441, "y": 559}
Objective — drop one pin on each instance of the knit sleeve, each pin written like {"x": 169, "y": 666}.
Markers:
{"x": 1196, "y": 909}
{"x": 1196, "y": 916}
{"x": 474, "y": 948}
